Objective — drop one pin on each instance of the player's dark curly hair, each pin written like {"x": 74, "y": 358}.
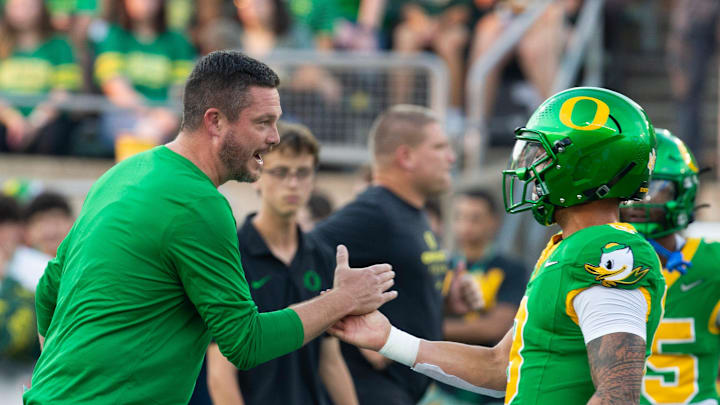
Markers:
{"x": 47, "y": 201}
{"x": 221, "y": 80}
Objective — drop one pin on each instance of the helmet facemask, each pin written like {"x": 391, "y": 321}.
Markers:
{"x": 667, "y": 208}
{"x": 524, "y": 187}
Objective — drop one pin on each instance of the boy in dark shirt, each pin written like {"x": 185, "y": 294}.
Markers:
{"x": 283, "y": 266}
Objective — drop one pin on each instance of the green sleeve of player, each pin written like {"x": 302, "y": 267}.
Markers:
{"x": 110, "y": 59}
{"x": 203, "y": 248}
{"x": 47, "y": 291}
{"x": 66, "y": 74}
{"x": 613, "y": 256}
{"x": 183, "y": 58}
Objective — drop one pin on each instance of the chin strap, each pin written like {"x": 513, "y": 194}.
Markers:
{"x": 675, "y": 261}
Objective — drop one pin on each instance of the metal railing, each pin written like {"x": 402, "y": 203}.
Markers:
{"x": 340, "y": 123}
{"x": 476, "y": 139}
{"x": 342, "y": 126}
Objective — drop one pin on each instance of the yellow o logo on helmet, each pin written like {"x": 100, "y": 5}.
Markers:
{"x": 601, "y": 114}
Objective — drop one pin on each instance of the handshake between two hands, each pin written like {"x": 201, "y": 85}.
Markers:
{"x": 368, "y": 287}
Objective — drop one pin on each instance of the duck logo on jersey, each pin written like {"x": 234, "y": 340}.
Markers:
{"x": 616, "y": 266}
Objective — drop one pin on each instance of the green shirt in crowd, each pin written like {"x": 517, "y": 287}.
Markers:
{"x": 151, "y": 67}
{"x": 49, "y": 66}
{"x": 318, "y": 15}
{"x": 148, "y": 273}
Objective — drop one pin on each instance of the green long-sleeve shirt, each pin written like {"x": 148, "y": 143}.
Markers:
{"x": 148, "y": 273}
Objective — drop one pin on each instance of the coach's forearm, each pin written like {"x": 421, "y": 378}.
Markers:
{"x": 262, "y": 337}
{"x": 321, "y": 312}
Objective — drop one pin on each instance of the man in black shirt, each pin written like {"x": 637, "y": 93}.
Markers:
{"x": 411, "y": 162}
{"x": 283, "y": 266}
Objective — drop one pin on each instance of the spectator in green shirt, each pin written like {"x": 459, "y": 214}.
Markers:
{"x": 139, "y": 63}
{"x": 33, "y": 62}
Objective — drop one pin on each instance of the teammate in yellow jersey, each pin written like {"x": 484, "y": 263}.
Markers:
{"x": 594, "y": 300}
{"x": 683, "y": 366}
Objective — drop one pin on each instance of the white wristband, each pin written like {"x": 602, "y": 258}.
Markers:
{"x": 401, "y": 347}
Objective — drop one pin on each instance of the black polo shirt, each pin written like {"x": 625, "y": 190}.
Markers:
{"x": 380, "y": 227}
{"x": 293, "y": 378}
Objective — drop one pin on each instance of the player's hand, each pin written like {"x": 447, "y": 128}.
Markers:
{"x": 367, "y": 288}
{"x": 369, "y": 331}
{"x": 464, "y": 294}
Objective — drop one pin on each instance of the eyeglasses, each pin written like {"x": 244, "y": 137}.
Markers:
{"x": 282, "y": 173}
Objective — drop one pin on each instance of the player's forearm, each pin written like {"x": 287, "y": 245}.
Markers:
{"x": 480, "y": 366}
{"x": 617, "y": 362}
{"x": 321, "y": 312}
{"x": 335, "y": 374}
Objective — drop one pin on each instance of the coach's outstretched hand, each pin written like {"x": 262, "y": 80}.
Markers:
{"x": 369, "y": 331}
{"x": 367, "y": 287}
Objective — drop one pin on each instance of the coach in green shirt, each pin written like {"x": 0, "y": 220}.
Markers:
{"x": 151, "y": 270}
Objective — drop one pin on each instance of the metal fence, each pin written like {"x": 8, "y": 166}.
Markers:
{"x": 363, "y": 85}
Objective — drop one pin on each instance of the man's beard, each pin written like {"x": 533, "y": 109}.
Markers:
{"x": 235, "y": 158}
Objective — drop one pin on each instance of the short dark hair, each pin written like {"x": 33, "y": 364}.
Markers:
{"x": 221, "y": 80}
{"x": 481, "y": 194}
{"x": 9, "y": 210}
{"x": 297, "y": 139}
{"x": 47, "y": 201}
{"x": 400, "y": 124}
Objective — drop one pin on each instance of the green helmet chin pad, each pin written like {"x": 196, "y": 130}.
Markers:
{"x": 580, "y": 145}
{"x": 676, "y": 165}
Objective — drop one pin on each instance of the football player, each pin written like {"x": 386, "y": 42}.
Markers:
{"x": 594, "y": 300}
{"x": 683, "y": 365}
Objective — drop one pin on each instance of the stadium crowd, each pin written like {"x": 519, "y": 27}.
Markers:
{"x": 138, "y": 53}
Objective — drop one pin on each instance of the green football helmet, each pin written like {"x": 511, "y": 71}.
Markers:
{"x": 670, "y": 204}
{"x": 580, "y": 145}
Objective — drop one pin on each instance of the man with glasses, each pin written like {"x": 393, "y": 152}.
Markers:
{"x": 284, "y": 266}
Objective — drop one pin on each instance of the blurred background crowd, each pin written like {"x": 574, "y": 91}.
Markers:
{"x": 104, "y": 77}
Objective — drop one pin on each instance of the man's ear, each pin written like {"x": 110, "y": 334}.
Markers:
{"x": 214, "y": 121}
{"x": 404, "y": 157}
